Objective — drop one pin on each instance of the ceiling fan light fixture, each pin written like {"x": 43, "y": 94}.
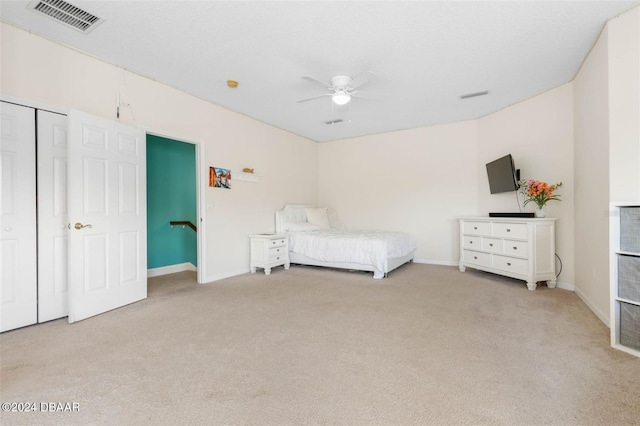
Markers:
{"x": 341, "y": 98}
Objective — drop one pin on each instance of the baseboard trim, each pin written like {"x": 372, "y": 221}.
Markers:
{"x": 226, "y": 275}
{"x": 604, "y": 318}
{"x": 565, "y": 286}
{"x": 436, "y": 262}
{"x": 171, "y": 269}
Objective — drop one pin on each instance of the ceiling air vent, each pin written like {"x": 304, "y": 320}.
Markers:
{"x": 67, "y": 13}
{"x": 339, "y": 120}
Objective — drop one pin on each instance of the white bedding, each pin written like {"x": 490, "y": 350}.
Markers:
{"x": 352, "y": 246}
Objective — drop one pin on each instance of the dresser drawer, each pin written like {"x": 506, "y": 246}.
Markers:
{"x": 477, "y": 258}
{"x": 470, "y": 242}
{"x": 492, "y": 245}
{"x": 511, "y": 264}
{"x": 516, "y": 248}
{"x": 476, "y": 228}
{"x": 277, "y": 253}
{"x": 510, "y": 230}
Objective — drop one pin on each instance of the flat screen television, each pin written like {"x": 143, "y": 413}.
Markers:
{"x": 503, "y": 176}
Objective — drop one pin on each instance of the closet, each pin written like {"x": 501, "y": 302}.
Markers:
{"x": 53, "y": 168}
{"x": 34, "y": 216}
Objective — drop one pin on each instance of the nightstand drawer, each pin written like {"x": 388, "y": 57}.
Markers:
{"x": 477, "y": 228}
{"x": 278, "y": 243}
{"x": 277, "y": 253}
{"x": 477, "y": 258}
{"x": 510, "y": 230}
{"x": 511, "y": 264}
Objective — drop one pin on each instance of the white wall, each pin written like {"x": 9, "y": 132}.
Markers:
{"x": 421, "y": 180}
{"x": 539, "y": 134}
{"x": 591, "y": 158}
{"x": 606, "y": 150}
{"x": 38, "y": 70}
{"x": 624, "y": 106}
{"x": 418, "y": 181}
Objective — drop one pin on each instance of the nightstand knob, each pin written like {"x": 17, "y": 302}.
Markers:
{"x": 475, "y": 257}
{"x": 470, "y": 242}
{"x": 508, "y": 230}
{"x": 475, "y": 227}
{"x": 515, "y": 248}
{"x": 508, "y": 264}
{"x": 491, "y": 245}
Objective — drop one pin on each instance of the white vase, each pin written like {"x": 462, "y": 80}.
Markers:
{"x": 541, "y": 211}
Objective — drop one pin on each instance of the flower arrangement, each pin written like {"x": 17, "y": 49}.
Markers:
{"x": 538, "y": 192}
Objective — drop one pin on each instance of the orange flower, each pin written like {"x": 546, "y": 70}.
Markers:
{"x": 539, "y": 192}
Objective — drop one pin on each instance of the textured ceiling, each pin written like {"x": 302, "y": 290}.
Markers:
{"x": 425, "y": 53}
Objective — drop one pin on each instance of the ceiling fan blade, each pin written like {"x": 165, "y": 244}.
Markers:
{"x": 366, "y": 95}
{"x": 362, "y": 79}
{"x": 318, "y": 82}
{"x": 315, "y": 97}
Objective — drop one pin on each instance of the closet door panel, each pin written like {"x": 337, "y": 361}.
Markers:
{"x": 18, "y": 274}
{"x": 52, "y": 216}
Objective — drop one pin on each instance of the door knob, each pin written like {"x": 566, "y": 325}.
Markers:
{"x": 78, "y": 225}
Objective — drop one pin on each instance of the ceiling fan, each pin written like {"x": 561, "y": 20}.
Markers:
{"x": 342, "y": 87}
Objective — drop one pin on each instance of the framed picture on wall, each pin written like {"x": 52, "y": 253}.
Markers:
{"x": 219, "y": 177}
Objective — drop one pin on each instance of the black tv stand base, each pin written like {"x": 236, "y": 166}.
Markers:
{"x": 518, "y": 214}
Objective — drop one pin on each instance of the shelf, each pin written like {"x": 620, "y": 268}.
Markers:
{"x": 625, "y": 313}
{"x": 245, "y": 177}
{"x": 628, "y": 253}
{"x": 629, "y": 301}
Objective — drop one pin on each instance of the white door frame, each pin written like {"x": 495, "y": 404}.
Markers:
{"x": 202, "y": 177}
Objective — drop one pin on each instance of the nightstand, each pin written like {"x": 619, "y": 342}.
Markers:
{"x": 268, "y": 251}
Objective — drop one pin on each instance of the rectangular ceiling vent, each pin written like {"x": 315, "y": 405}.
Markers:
{"x": 67, "y": 13}
{"x": 339, "y": 120}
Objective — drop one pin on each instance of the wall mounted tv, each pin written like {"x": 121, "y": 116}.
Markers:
{"x": 503, "y": 176}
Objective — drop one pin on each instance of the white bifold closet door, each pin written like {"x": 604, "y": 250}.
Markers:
{"x": 52, "y": 216}
{"x": 18, "y": 273}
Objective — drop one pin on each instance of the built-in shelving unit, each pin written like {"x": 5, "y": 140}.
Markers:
{"x": 625, "y": 276}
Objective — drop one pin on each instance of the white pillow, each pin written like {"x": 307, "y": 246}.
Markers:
{"x": 318, "y": 217}
{"x": 299, "y": 227}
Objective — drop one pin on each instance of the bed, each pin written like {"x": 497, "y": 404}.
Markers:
{"x": 318, "y": 238}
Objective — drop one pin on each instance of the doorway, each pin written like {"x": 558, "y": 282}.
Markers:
{"x": 172, "y": 244}
{"x": 174, "y": 221}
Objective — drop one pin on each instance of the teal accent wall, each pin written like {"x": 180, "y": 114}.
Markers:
{"x": 171, "y": 195}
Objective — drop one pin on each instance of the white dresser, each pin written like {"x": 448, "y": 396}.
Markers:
{"x": 518, "y": 248}
{"x": 269, "y": 251}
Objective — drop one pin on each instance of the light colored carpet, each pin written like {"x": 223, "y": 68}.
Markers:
{"x": 428, "y": 345}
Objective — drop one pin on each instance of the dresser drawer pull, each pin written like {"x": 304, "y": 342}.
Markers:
{"x": 508, "y": 263}
{"x": 515, "y": 248}
{"x": 277, "y": 258}
{"x": 508, "y": 230}
{"x": 490, "y": 244}
{"x": 273, "y": 242}
{"x": 475, "y": 257}
{"x": 475, "y": 227}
